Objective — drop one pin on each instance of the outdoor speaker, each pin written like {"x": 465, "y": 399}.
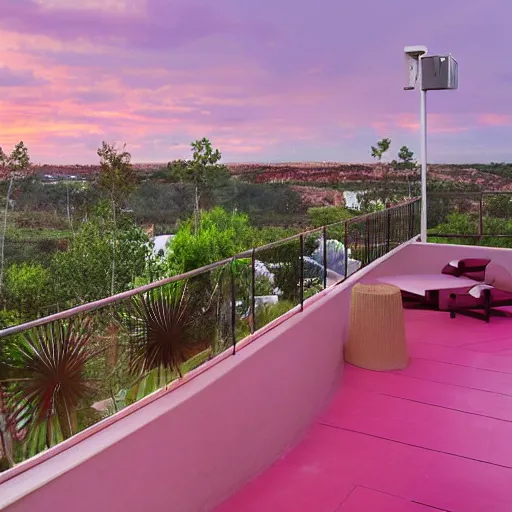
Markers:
{"x": 439, "y": 72}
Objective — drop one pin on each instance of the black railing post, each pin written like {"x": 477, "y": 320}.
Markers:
{"x": 324, "y": 252}
{"x": 388, "y": 229}
{"x": 233, "y": 306}
{"x": 345, "y": 243}
{"x": 410, "y": 219}
{"x": 301, "y": 272}
{"x": 367, "y": 242}
{"x": 253, "y": 290}
{"x": 417, "y": 216}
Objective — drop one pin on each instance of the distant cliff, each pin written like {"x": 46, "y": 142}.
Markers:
{"x": 315, "y": 173}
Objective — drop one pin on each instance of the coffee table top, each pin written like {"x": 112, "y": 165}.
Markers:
{"x": 420, "y": 284}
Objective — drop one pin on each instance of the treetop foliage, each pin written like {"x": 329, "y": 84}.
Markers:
{"x": 117, "y": 177}
{"x": 18, "y": 160}
{"x": 405, "y": 160}
{"x": 220, "y": 235}
{"x": 204, "y": 170}
{"x": 378, "y": 151}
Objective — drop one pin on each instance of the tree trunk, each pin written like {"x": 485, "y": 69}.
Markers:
{"x": 2, "y": 249}
{"x": 114, "y": 239}
{"x": 6, "y": 441}
{"x": 196, "y": 211}
{"x": 68, "y": 421}
{"x": 68, "y": 209}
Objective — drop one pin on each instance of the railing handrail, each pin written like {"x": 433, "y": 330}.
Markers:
{"x": 475, "y": 193}
{"x": 473, "y": 235}
{"x": 113, "y": 299}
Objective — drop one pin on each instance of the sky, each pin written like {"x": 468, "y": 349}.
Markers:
{"x": 264, "y": 80}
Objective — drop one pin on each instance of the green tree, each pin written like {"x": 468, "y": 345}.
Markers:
{"x": 382, "y": 147}
{"x": 269, "y": 234}
{"x": 28, "y": 289}
{"x": 467, "y": 224}
{"x": 118, "y": 179}
{"x": 83, "y": 272}
{"x": 162, "y": 204}
{"x": 499, "y": 206}
{"x": 178, "y": 171}
{"x": 13, "y": 164}
{"x": 459, "y": 224}
{"x": 204, "y": 171}
{"x": 284, "y": 262}
{"x": 219, "y": 235}
{"x": 383, "y": 195}
{"x": 325, "y": 215}
{"x": 265, "y": 203}
{"x": 405, "y": 160}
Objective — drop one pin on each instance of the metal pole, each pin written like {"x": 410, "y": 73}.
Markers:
{"x": 423, "y": 123}
{"x": 253, "y": 290}
{"x": 345, "y": 240}
{"x": 367, "y": 243}
{"x": 324, "y": 252}
{"x": 233, "y": 307}
{"x": 410, "y": 214}
{"x": 301, "y": 272}
{"x": 388, "y": 230}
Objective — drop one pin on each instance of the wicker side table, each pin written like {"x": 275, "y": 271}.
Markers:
{"x": 376, "y": 339}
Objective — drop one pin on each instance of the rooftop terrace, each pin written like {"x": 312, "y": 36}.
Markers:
{"x": 277, "y": 421}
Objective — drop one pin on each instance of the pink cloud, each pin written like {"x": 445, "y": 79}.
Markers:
{"x": 495, "y": 119}
{"x": 436, "y": 123}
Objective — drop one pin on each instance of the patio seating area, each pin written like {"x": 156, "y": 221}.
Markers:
{"x": 435, "y": 436}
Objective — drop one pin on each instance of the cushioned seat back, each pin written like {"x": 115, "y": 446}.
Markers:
{"x": 499, "y": 277}
{"x": 473, "y": 268}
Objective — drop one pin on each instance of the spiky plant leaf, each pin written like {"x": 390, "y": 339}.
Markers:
{"x": 163, "y": 326}
{"x": 48, "y": 380}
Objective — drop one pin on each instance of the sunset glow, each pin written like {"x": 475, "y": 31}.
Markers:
{"x": 273, "y": 80}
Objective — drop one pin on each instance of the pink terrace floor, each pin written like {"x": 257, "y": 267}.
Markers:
{"x": 436, "y": 436}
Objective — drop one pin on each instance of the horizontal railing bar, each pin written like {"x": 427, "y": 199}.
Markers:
{"x": 454, "y": 194}
{"x": 458, "y": 235}
{"x": 113, "y": 299}
{"x": 277, "y": 243}
{"x": 473, "y": 194}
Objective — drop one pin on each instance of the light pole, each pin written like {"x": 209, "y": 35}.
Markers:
{"x": 429, "y": 72}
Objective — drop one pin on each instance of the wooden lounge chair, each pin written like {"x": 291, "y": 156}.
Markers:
{"x": 464, "y": 286}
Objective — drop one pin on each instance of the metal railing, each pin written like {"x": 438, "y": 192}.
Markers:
{"x": 64, "y": 372}
{"x": 471, "y": 217}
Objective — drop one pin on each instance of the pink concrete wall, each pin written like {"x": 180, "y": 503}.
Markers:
{"x": 191, "y": 448}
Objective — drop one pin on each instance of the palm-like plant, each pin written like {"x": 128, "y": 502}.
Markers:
{"x": 163, "y": 329}
{"x": 48, "y": 369}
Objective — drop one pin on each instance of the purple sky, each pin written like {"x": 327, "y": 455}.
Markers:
{"x": 265, "y": 80}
